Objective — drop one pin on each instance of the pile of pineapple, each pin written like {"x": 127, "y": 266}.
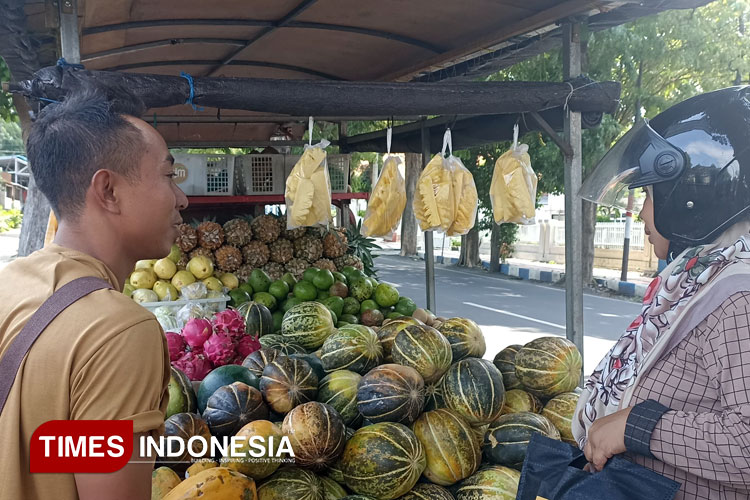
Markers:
{"x": 242, "y": 244}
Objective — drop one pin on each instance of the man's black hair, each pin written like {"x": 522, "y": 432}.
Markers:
{"x": 71, "y": 140}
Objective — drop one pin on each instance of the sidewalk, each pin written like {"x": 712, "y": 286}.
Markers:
{"x": 635, "y": 286}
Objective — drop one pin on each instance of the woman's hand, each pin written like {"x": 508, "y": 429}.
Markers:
{"x": 606, "y": 438}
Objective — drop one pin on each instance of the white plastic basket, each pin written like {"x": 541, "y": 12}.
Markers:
{"x": 205, "y": 175}
{"x": 338, "y": 170}
{"x": 214, "y": 304}
{"x": 259, "y": 174}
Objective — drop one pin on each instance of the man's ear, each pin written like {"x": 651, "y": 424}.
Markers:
{"x": 104, "y": 189}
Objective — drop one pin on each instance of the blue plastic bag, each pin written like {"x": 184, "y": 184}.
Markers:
{"x": 553, "y": 470}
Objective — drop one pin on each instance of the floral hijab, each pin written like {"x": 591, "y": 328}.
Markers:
{"x": 676, "y": 301}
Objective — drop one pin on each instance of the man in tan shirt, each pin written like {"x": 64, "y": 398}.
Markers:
{"x": 109, "y": 179}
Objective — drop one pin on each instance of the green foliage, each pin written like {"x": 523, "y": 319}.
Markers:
{"x": 10, "y": 219}
{"x": 10, "y": 138}
{"x": 362, "y": 247}
{"x": 508, "y": 237}
{"x": 7, "y": 110}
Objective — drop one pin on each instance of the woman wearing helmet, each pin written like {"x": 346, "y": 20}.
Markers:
{"x": 673, "y": 394}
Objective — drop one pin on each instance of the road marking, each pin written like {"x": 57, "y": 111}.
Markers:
{"x": 520, "y": 316}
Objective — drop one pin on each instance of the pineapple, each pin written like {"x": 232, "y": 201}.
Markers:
{"x": 256, "y": 253}
{"x": 309, "y": 248}
{"x": 335, "y": 243}
{"x": 201, "y": 251}
{"x": 274, "y": 270}
{"x": 295, "y": 234}
{"x": 210, "y": 235}
{"x": 297, "y": 267}
{"x": 188, "y": 238}
{"x": 282, "y": 251}
{"x": 237, "y": 232}
{"x": 243, "y": 273}
{"x": 325, "y": 264}
{"x": 183, "y": 262}
{"x": 348, "y": 260}
{"x": 265, "y": 228}
{"x": 228, "y": 258}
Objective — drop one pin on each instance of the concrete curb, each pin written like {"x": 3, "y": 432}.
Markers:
{"x": 626, "y": 288}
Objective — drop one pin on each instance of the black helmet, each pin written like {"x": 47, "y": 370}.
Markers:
{"x": 696, "y": 157}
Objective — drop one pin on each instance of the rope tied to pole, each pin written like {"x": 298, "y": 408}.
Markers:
{"x": 190, "y": 98}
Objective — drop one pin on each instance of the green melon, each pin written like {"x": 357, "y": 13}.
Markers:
{"x": 387, "y": 334}
{"x": 549, "y": 366}
{"x": 560, "y": 410}
{"x": 508, "y": 437}
{"x": 287, "y": 383}
{"x": 518, "y": 400}
{"x": 331, "y": 489}
{"x": 433, "y": 394}
{"x": 451, "y": 449}
{"x": 490, "y": 483}
{"x": 221, "y": 376}
{"x": 474, "y": 388}
{"x": 424, "y": 349}
{"x": 185, "y": 426}
{"x": 308, "y": 324}
{"x": 281, "y": 343}
{"x": 383, "y": 460}
{"x": 181, "y": 394}
{"x": 317, "y": 434}
{"x": 465, "y": 337}
{"x": 391, "y": 393}
{"x": 257, "y": 361}
{"x": 258, "y": 318}
{"x": 352, "y": 347}
{"x": 291, "y": 483}
{"x": 232, "y": 406}
{"x": 314, "y": 361}
{"x": 426, "y": 491}
{"x": 339, "y": 389}
{"x": 505, "y": 361}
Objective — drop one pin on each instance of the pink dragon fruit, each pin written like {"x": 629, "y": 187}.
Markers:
{"x": 246, "y": 345}
{"x": 195, "y": 366}
{"x": 229, "y": 322}
{"x": 219, "y": 348}
{"x": 197, "y": 331}
{"x": 176, "y": 345}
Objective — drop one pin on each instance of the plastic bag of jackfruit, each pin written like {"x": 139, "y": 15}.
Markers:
{"x": 465, "y": 196}
{"x": 308, "y": 189}
{"x": 513, "y": 188}
{"x": 388, "y": 200}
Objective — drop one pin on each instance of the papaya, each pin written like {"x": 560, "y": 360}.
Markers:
{"x": 163, "y": 480}
{"x": 217, "y": 483}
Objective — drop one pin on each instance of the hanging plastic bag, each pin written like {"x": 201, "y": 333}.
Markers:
{"x": 308, "y": 188}
{"x": 513, "y": 188}
{"x": 466, "y": 198}
{"x": 388, "y": 200}
{"x": 434, "y": 202}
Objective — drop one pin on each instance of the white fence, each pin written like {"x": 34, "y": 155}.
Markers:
{"x": 607, "y": 235}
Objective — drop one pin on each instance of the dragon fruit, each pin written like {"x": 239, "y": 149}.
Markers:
{"x": 197, "y": 331}
{"x": 229, "y": 322}
{"x": 176, "y": 345}
{"x": 195, "y": 366}
{"x": 219, "y": 348}
{"x": 246, "y": 345}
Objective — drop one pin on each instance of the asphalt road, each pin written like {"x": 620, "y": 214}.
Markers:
{"x": 510, "y": 311}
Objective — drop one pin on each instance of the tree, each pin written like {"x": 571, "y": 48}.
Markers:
{"x": 10, "y": 138}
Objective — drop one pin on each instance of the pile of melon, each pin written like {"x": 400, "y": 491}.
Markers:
{"x": 401, "y": 411}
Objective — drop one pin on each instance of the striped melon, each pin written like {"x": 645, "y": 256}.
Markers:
{"x": 185, "y": 426}
{"x": 433, "y": 394}
{"x": 231, "y": 407}
{"x": 391, "y": 393}
{"x": 387, "y": 334}
{"x": 474, "y": 389}
{"x": 287, "y": 383}
{"x": 291, "y": 483}
{"x": 480, "y": 431}
{"x": 181, "y": 394}
{"x": 424, "y": 349}
{"x": 352, "y": 347}
{"x": 281, "y": 343}
{"x": 317, "y": 434}
{"x": 560, "y": 410}
{"x": 518, "y": 400}
{"x": 549, "y": 366}
{"x": 490, "y": 483}
{"x": 426, "y": 491}
{"x": 242, "y": 461}
{"x": 383, "y": 460}
{"x": 308, "y": 324}
{"x": 465, "y": 337}
{"x": 257, "y": 360}
{"x": 450, "y": 447}
{"x": 331, "y": 489}
{"x": 505, "y": 361}
{"x": 339, "y": 389}
{"x": 508, "y": 437}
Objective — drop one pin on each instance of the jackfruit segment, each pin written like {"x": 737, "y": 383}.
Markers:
{"x": 465, "y": 192}
{"x": 386, "y": 205}
{"x": 513, "y": 188}
{"x": 308, "y": 190}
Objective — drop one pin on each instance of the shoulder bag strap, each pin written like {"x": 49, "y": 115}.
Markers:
{"x": 19, "y": 346}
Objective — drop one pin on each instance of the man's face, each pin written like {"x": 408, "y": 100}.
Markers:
{"x": 152, "y": 203}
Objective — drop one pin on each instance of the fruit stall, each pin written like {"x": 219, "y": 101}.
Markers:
{"x": 277, "y": 326}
